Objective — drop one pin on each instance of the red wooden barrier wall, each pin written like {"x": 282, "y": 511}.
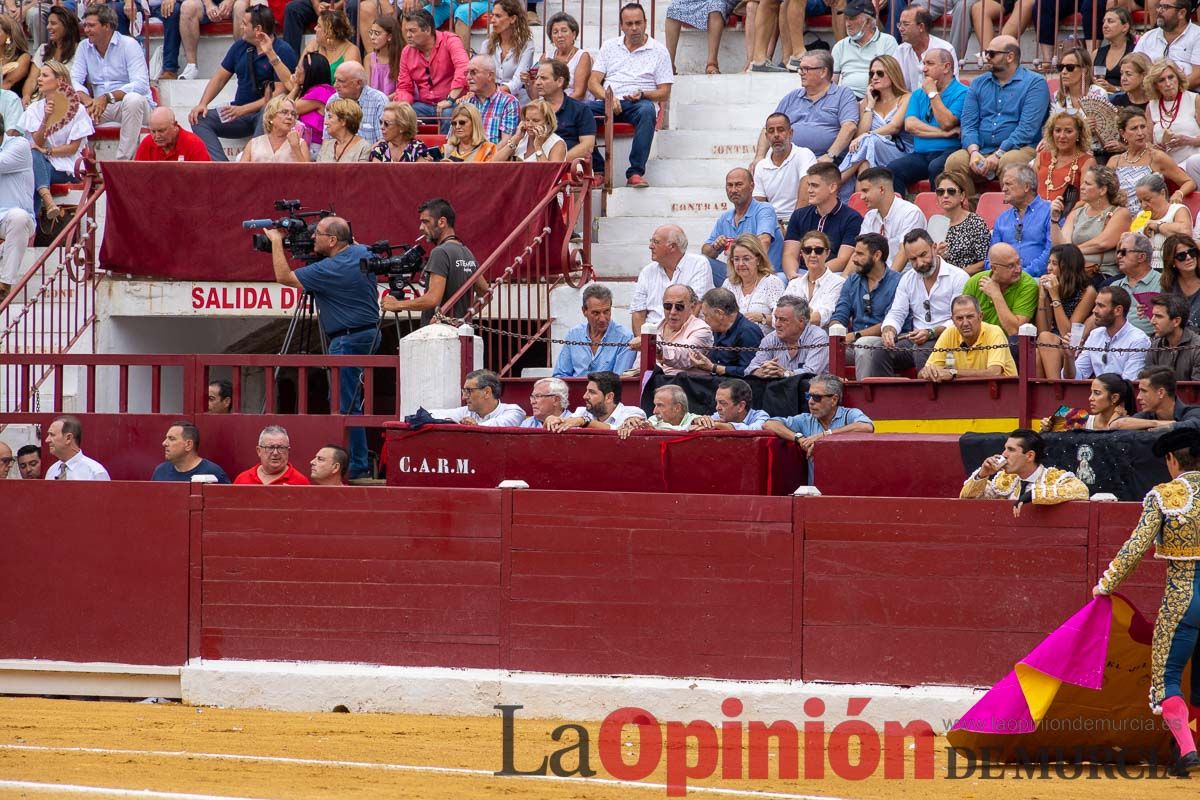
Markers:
{"x": 890, "y": 590}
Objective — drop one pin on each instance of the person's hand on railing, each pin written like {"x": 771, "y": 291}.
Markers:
{"x": 632, "y": 424}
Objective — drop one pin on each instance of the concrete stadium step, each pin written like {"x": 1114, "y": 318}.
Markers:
{"x": 691, "y": 172}
{"x": 706, "y": 145}
{"x": 723, "y": 116}
{"x": 637, "y": 230}
{"x": 187, "y": 94}
{"x": 623, "y": 260}
{"x": 667, "y": 202}
{"x": 734, "y": 89}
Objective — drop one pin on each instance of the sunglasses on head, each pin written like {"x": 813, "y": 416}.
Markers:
{"x": 813, "y": 250}
{"x": 1184, "y": 255}
{"x": 674, "y": 306}
{"x": 948, "y": 191}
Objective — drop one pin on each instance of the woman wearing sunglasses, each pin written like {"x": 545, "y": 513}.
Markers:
{"x": 1173, "y": 113}
{"x": 1180, "y": 275}
{"x": 752, "y": 280}
{"x": 1066, "y": 298}
{"x": 1166, "y": 217}
{"x": 881, "y": 137}
{"x": 818, "y": 284}
{"x": 466, "y": 141}
{"x": 1096, "y": 224}
{"x": 1075, "y": 81}
{"x": 968, "y": 239}
{"x": 1140, "y": 160}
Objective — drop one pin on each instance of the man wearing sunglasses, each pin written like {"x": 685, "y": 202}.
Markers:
{"x": 826, "y": 415}
{"x": 1002, "y": 116}
{"x": 1175, "y": 345}
{"x": 682, "y": 328}
{"x": 1135, "y": 255}
{"x": 1176, "y": 37}
{"x": 1114, "y": 345}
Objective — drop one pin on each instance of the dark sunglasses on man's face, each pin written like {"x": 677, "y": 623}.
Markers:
{"x": 674, "y": 306}
{"x": 1184, "y": 255}
{"x": 948, "y": 191}
{"x": 813, "y": 251}
{"x": 990, "y": 54}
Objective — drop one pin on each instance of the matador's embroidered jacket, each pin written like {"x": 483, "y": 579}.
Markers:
{"x": 1050, "y": 486}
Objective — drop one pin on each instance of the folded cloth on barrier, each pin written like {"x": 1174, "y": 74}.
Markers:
{"x": 1080, "y": 695}
{"x": 198, "y": 234}
{"x": 781, "y": 397}
{"x": 1118, "y": 462}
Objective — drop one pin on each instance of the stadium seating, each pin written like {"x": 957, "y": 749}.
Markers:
{"x": 991, "y": 204}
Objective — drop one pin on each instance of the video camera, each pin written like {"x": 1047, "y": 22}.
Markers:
{"x": 299, "y": 231}
{"x": 399, "y": 269}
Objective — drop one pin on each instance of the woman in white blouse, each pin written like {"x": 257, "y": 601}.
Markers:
{"x": 534, "y": 139}
{"x": 752, "y": 280}
{"x": 818, "y": 284}
{"x": 58, "y": 124}
{"x": 510, "y": 44}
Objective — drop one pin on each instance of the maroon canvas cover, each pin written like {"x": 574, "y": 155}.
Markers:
{"x": 184, "y": 220}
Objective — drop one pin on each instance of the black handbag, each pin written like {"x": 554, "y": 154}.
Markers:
{"x": 1070, "y": 197}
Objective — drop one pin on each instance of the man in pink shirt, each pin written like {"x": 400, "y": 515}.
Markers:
{"x": 433, "y": 68}
{"x": 681, "y": 326}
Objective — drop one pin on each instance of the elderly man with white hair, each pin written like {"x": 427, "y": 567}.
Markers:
{"x": 670, "y": 263}
{"x": 501, "y": 112}
{"x": 350, "y": 80}
{"x": 670, "y": 413}
{"x": 549, "y": 399}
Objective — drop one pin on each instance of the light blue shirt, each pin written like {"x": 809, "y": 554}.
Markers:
{"x": 371, "y": 101}
{"x": 576, "y": 360}
{"x": 1034, "y": 243}
{"x": 1007, "y": 117}
{"x": 534, "y": 422}
{"x": 953, "y": 97}
{"x": 16, "y": 175}
{"x": 808, "y": 425}
{"x": 12, "y": 110}
{"x": 122, "y": 68}
{"x": 760, "y": 218}
{"x": 754, "y": 420}
{"x": 1096, "y": 358}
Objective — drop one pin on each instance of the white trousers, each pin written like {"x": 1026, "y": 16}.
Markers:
{"x": 16, "y": 228}
{"x": 131, "y": 112}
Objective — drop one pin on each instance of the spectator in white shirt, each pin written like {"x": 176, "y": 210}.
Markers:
{"x": 602, "y": 408}
{"x": 1175, "y": 37}
{"x": 915, "y": 22}
{"x": 818, "y": 284}
{"x": 670, "y": 263}
{"x": 888, "y": 214}
{"x": 924, "y": 295}
{"x": 1114, "y": 333}
{"x": 481, "y": 390}
{"x": 638, "y": 70}
{"x": 16, "y": 205}
{"x": 549, "y": 399}
{"x": 778, "y": 178}
{"x": 114, "y": 66}
{"x": 64, "y": 437}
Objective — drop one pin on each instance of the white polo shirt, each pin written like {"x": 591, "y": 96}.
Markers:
{"x": 780, "y": 184}
{"x": 1184, "y": 51}
{"x": 693, "y": 269}
{"x": 902, "y": 217}
{"x": 645, "y": 69}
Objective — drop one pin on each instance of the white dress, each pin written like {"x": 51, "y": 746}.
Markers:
{"x": 1184, "y": 124}
{"x": 761, "y": 301}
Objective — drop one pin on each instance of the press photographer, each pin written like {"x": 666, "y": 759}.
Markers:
{"x": 450, "y": 266}
{"x": 346, "y": 304}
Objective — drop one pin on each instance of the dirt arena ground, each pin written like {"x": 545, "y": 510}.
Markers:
{"x": 63, "y": 748}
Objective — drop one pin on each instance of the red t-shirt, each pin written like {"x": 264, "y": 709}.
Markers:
{"x": 291, "y": 477}
{"x": 188, "y": 147}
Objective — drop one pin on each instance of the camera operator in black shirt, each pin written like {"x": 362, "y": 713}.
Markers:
{"x": 449, "y": 267}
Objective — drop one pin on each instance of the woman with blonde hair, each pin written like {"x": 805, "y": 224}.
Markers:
{"x": 1076, "y": 81}
{"x": 1174, "y": 114}
{"x": 881, "y": 136}
{"x": 534, "y": 139}
{"x": 59, "y": 125}
{"x": 400, "y": 144}
{"x": 510, "y": 44}
{"x": 466, "y": 142}
{"x": 1066, "y": 154}
{"x": 1132, "y": 80}
{"x": 752, "y": 280}
{"x": 280, "y": 141}
{"x": 343, "y": 144}
{"x": 1097, "y": 222}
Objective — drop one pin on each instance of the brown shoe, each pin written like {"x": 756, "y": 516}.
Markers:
{"x": 166, "y": 75}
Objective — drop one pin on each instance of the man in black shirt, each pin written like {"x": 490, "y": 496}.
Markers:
{"x": 576, "y": 122}
{"x": 450, "y": 266}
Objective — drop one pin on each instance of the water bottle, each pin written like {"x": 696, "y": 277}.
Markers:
{"x": 950, "y": 363}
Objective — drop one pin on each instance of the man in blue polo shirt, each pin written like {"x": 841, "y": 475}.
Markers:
{"x": 259, "y": 60}
{"x": 824, "y": 115}
{"x": 747, "y": 216}
{"x": 826, "y": 415}
{"x": 576, "y": 122}
{"x": 932, "y": 119}
{"x": 825, "y": 212}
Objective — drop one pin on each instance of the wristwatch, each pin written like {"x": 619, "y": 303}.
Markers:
{"x": 953, "y": 373}
{"x": 932, "y": 95}
{"x": 109, "y": 97}
{"x": 796, "y": 438}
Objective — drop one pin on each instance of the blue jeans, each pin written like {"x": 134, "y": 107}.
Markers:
{"x": 350, "y": 393}
{"x": 425, "y": 110}
{"x": 210, "y": 129}
{"x": 642, "y": 115}
{"x": 45, "y": 174}
{"x": 913, "y": 167}
{"x": 171, "y": 36}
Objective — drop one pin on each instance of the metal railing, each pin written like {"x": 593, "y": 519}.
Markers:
{"x": 519, "y": 287}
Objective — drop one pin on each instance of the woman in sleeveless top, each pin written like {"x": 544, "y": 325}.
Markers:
{"x": 1065, "y": 298}
{"x": 1173, "y": 112}
{"x": 1165, "y": 219}
{"x": 1140, "y": 159}
{"x": 881, "y": 138}
{"x": 1133, "y": 83}
{"x": 280, "y": 142}
{"x": 1066, "y": 155}
{"x": 1096, "y": 224}
{"x": 332, "y": 38}
{"x": 564, "y": 32}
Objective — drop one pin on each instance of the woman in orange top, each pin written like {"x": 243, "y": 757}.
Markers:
{"x": 1066, "y": 155}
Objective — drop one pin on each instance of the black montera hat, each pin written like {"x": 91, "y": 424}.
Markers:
{"x": 1183, "y": 437}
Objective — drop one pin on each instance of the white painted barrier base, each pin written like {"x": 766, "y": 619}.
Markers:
{"x": 291, "y": 686}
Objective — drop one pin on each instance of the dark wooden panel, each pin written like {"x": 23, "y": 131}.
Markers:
{"x": 998, "y": 561}
{"x": 415, "y": 572}
{"x": 318, "y": 619}
{"x": 764, "y": 618}
{"x": 341, "y": 646}
{"x": 380, "y": 547}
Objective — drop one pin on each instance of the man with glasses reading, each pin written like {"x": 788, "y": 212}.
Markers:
{"x": 481, "y": 392}
{"x": 273, "y": 468}
{"x": 1134, "y": 258}
{"x": 1114, "y": 345}
{"x": 923, "y": 299}
{"x": 1175, "y": 37}
{"x": 1002, "y": 116}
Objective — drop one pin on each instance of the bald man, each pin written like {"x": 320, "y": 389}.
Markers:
{"x": 747, "y": 216}
{"x": 168, "y": 142}
{"x": 500, "y": 110}
{"x": 350, "y": 80}
{"x": 670, "y": 263}
{"x": 1007, "y": 295}
{"x": 6, "y": 461}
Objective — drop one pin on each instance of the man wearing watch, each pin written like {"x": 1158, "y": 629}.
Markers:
{"x": 114, "y": 66}
{"x": 980, "y": 349}
{"x": 922, "y": 298}
{"x": 432, "y": 75}
{"x": 932, "y": 118}
{"x": 826, "y": 415}
{"x": 824, "y": 115}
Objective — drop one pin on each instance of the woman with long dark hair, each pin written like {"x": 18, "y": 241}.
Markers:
{"x": 1066, "y": 297}
{"x": 311, "y": 97}
{"x": 1110, "y": 398}
{"x": 1181, "y": 273}
{"x": 62, "y": 31}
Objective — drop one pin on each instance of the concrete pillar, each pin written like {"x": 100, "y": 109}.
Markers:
{"x": 429, "y": 368}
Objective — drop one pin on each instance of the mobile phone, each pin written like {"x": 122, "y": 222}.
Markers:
{"x": 435, "y": 153}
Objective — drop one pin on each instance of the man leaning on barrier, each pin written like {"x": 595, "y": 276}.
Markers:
{"x": 979, "y": 349}
{"x": 602, "y": 409}
{"x": 670, "y": 413}
{"x": 825, "y": 416}
{"x": 733, "y": 409}
{"x": 481, "y": 391}
{"x": 1160, "y": 408}
{"x": 1018, "y": 474}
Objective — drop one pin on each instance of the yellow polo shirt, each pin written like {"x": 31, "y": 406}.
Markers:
{"x": 975, "y": 357}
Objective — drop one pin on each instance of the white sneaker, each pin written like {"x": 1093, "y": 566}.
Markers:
{"x": 189, "y": 72}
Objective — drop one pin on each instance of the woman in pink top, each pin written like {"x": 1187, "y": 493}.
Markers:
{"x": 383, "y": 61}
{"x": 312, "y": 96}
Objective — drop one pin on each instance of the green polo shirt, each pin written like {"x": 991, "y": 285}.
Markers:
{"x": 1022, "y": 297}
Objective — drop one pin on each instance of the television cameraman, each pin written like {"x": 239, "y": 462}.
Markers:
{"x": 345, "y": 298}
{"x": 450, "y": 265}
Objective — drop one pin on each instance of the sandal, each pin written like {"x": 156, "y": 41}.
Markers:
{"x": 712, "y": 69}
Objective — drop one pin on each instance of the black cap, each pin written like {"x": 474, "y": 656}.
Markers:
{"x": 1183, "y": 437}
{"x": 856, "y": 7}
